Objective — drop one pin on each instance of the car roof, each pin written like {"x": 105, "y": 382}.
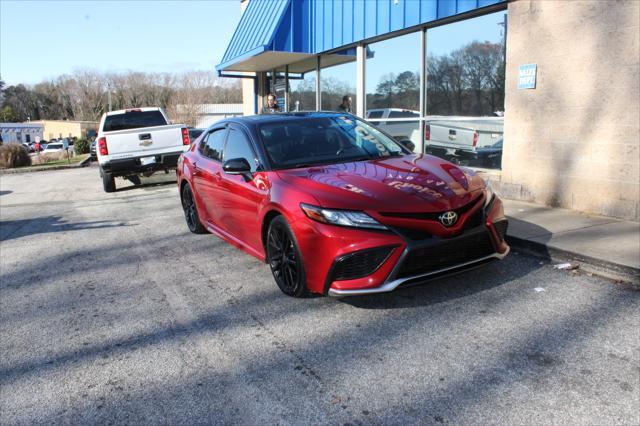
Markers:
{"x": 254, "y": 120}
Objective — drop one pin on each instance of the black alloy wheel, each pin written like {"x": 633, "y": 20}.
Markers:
{"x": 284, "y": 258}
{"x": 191, "y": 212}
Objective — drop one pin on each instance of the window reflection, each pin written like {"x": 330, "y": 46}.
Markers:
{"x": 302, "y": 93}
{"x": 465, "y": 91}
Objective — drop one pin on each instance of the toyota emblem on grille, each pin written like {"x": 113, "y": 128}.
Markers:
{"x": 448, "y": 218}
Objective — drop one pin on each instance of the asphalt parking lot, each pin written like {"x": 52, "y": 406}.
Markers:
{"x": 112, "y": 312}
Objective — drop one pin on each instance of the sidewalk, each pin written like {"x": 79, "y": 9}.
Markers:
{"x": 603, "y": 245}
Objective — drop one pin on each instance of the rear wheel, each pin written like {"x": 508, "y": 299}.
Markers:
{"x": 191, "y": 212}
{"x": 284, "y": 258}
{"x": 108, "y": 182}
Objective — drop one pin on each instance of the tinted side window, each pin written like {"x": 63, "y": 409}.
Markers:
{"x": 375, "y": 114}
{"x": 211, "y": 145}
{"x": 239, "y": 147}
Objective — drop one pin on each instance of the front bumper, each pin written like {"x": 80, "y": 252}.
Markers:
{"x": 420, "y": 278}
{"x": 415, "y": 261}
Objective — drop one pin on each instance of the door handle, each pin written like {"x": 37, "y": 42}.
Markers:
{"x": 196, "y": 170}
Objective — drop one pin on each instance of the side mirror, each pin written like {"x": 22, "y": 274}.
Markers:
{"x": 238, "y": 166}
{"x": 407, "y": 144}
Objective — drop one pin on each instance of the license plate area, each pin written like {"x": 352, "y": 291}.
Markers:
{"x": 145, "y": 161}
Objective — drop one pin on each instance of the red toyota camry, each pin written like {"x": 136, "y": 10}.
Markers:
{"x": 336, "y": 206}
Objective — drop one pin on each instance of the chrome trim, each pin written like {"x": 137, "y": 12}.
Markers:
{"x": 392, "y": 285}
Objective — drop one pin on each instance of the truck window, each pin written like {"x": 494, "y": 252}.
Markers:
{"x": 133, "y": 120}
{"x": 375, "y": 114}
{"x": 402, "y": 114}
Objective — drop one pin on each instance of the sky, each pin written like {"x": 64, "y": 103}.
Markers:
{"x": 40, "y": 40}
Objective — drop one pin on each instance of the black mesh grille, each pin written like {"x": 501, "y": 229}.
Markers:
{"x": 413, "y": 234}
{"x": 444, "y": 253}
{"x": 360, "y": 264}
{"x": 501, "y": 228}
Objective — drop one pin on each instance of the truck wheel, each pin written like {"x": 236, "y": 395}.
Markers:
{"x": 108, "y": 182}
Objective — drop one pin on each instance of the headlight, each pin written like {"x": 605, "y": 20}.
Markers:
{"x": 354, "y": 219}
{"x": 489, "y": 193}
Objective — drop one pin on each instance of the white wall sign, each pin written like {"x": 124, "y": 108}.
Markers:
{"x": 527, "y": 76}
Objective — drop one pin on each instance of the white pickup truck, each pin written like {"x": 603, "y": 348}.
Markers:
{"x": 136, "y": 142}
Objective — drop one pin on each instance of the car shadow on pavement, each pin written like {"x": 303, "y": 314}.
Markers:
{"x": 465, "y": 283}
{"x": 13, "y": 229}
{"x": 146, "y": 186}
{"x": 448, "y": 288}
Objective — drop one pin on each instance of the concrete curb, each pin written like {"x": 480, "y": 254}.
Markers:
{"x": 594, "y": 265}
{"x": 83, "y": 163}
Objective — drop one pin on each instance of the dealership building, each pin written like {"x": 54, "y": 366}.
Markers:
{"x": 550, "y": 90}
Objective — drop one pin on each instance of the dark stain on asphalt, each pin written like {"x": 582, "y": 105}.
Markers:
{"x": 626, "y": 387}
{"x": 541, "y": 359}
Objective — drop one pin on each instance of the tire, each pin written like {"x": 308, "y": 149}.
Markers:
{"x": 191, "y": 211}
{"x": 284, "y": 258}
{"x": 108, "y": 182}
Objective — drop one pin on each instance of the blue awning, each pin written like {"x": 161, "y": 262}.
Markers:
{"x": 256, "y": 31}
{"x": 274, "y": 33}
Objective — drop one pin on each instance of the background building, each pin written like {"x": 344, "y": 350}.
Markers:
{"x": 563, "y": 74}
{"x": 204, "y": 115}
{"x": 20, "y": 132}
{"x": 56, "y": 129}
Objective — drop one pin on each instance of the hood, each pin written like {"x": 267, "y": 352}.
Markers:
{"x": 410, "y": 183}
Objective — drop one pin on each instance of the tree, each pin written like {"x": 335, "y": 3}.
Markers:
{"x": 7, "y": 115}
{"x": 21, "y": 101}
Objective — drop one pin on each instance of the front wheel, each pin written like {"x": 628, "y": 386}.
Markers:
{"x": 284, "y": 258}
{"x": 191, "y": 212}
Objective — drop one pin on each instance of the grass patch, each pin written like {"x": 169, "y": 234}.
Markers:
{"x": 72, "y": 160}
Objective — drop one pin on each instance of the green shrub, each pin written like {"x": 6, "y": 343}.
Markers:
{"x": 81, "y": 146}
{"x": 13, "y": 155}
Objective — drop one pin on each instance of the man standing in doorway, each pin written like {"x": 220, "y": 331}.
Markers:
{"x": 272, "y": 105}
{"x": 345, "y": 106}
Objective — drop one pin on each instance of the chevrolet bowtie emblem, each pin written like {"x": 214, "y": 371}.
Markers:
{"x": 448, "y": 218}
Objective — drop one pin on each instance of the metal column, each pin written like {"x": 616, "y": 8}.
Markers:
{"x": 361, "y": 97}
{"x": 318, "y": 92}
{"x": 423, "y": 89}
{"x": 286, "y": 88}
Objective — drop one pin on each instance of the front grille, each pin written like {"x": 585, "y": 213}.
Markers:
{"x": 471, "y": 222}
{"x": 444, "y": 253}
{"x": 430, "y": 216}
{"x": 501, "y": 228}
{"x": 475, "y": 220}
{"x": 360, "y": 264}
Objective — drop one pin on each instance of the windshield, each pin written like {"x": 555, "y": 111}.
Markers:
{"x": 324, "y": 140}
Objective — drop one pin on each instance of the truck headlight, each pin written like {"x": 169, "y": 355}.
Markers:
{"x": 349, "y": 218}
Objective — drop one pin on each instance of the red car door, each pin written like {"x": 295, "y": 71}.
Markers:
{"x": 207, "y": 169}
{"x": 242, "y": 197}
